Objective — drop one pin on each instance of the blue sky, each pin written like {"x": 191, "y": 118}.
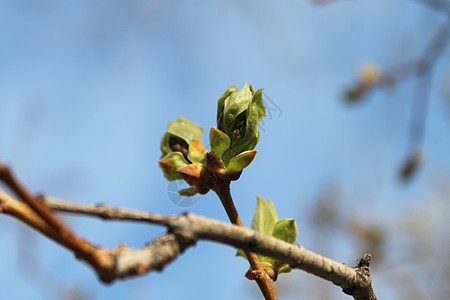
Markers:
{"x": 87, "y": 88}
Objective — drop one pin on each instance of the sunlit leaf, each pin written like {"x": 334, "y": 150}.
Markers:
{"x": 185, "y": 129}
{"x": 264, "y": 217}
{"x": 219, "y": 141}
{"x": 286, "y": 230}
{"x": 240, "y": 161}
{"x": 171, "y": 163}
{"x": 197, "y": 152}
{"x": 190, "y": 191}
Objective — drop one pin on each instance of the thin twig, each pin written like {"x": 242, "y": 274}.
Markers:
{"x": 263, "y": 280}
{"x": 44, "y": 212}
{"x": 428, "y": 60}
{"x": 117, "y": 263}
{"x": 51, "y": 225}
{"x": 421, "y": 69}
{"x": 438, "y": 5}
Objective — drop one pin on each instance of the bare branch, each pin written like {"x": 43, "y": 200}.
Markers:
{"x": 438, "y": 5}
{"x": 36, "y": 214}
{"x": 353, "y": 281}
{"x": 153, "y": 256}
{"x": 109, "y": 264}
{"x": 183, "y": 231}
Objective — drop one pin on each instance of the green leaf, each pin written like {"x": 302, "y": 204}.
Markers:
{"x": 165, "y": 147}
{"x": 272, "y": 208}
{"x": 241, "y": 146}
{"x": 266, "y": 259}
{"x": 171, "y": 143}
{"x": 241, "y": 253}
{"x": 239, "y": 113}
{"x": 219, "y": 141}
{"x": 191, "y": 191}
{"x": 286, "y": 230}
{"x": 221, "y": 103}
{"x": 185, "y": 129}
{"x": 240, "y": 161}
{"x": 264, "y": 217}
{"x": 171, "y": 163}
{"x": 234, "y": 105}
{"x": 251, "y": 89}
{"x": 284, "y": 269}
{"x": 197, "y": 152}
{"x": 255, "y": 114}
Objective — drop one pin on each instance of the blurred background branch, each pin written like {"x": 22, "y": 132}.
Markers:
{"x": 422, "y": 69}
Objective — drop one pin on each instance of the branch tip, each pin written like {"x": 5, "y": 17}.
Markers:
{"x": 364, "y": 262}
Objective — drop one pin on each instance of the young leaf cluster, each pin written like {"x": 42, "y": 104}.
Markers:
{"x": 232, "y": 143}
{"x": 265, "y": 220}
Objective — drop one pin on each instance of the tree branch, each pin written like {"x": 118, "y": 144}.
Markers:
{"x": 354, "y": 281}
{"x": 115, "y": 263}
{"x": 438, "y": 5}
{"x": 421, "y": 69}
{"x": 183, "y": 231}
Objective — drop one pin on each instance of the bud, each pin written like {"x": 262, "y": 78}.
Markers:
{"x": 179, "y": 136}
{"x": 238, "y": 116}
{"x": 232, "y": 143}
{"x": 411, "y": 165}
{"x": 369, "y": 76}
{"x": 183, "y": 153}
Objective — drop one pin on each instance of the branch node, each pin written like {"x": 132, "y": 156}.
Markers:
{"x": 362, "y": 287}
{"x": 364, "y": 262}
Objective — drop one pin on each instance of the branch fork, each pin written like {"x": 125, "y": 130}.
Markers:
{"x": 183, "y": 232}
